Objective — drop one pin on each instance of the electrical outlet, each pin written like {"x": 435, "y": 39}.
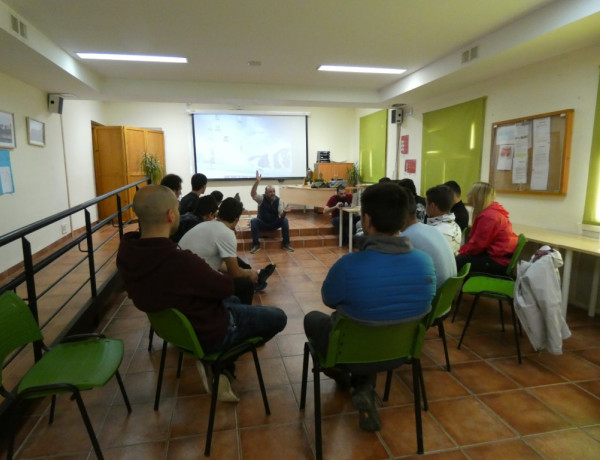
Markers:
{"x": 64, "y": 229}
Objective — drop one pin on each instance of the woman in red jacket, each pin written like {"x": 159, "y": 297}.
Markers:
{"x": 491, "y": 240}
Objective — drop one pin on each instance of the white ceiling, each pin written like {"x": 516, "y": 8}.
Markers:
{"x": 291, "y": 38}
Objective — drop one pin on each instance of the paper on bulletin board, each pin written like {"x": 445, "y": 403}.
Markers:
{"x": 520, "y": 154}
{"x": 505, "y": 158}
{"x": 540, "y": 164}
{"x": 6, "y": 179}
{"x": 505, "y": 135}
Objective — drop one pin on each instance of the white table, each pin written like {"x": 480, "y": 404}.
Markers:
{"x": 351, "y": 212}
{"x": 570, "y": 243}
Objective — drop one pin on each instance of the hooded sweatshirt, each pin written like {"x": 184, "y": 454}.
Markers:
{"x": 159, "y": 275}
{"x": 492, "y": 233}
{"x": 385, "y": 283}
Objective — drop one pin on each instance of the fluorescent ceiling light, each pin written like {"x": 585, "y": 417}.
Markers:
{"x": 132, "y": 57}
{"x": 346, "y": 68}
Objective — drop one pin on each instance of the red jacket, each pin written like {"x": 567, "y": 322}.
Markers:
{"x": 492, "y": 233}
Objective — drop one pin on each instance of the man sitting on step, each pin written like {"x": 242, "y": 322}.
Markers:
{"x": 271, "y": 216}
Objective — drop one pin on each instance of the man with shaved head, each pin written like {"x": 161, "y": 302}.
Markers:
{"x": 159, "y": 275}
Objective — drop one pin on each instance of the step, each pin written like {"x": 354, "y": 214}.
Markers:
{"x": 297, "y": 242}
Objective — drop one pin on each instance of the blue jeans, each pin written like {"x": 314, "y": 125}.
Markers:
{"x": 246, "y": 321}
{"x": 257, "y": 225}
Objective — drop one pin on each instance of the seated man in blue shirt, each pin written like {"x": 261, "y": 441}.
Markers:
{"x": 386, "y": 282}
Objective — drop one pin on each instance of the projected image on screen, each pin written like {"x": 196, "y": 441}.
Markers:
{"x": 232, "y": 146}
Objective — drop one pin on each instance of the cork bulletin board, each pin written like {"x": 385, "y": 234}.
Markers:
{"x": 531, "y": 154}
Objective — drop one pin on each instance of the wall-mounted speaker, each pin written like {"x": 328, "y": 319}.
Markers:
{"x": 397, "y": 115}
{"x": 55, "y": 103}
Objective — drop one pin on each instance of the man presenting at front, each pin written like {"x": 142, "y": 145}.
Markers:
{"x": 386, "y": 282}
{"x": 271, "y": 216}
{"x": 158, "y": 275}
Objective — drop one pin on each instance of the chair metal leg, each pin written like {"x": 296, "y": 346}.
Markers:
{"x": 501, "y": 314}
{"x": 261, "y": 382}
{"x": 456, "y": 305}
{"x": 462, "y": 336}
{"x": 161, "y": 370}
{"x": 213, "y": 409}
{"x": 516, "y": 328}
{"x": 12, "y": 424}
{"x": 442, "y": 334}
{"x": 52, "y": 408}
{"x": 150, "y": 337}
{"x": 304, "y": 377}
{"x": 88, "y": 425}
{"x": 388, "y": 385}
{"x": 423, "y": 392}
{"x": 179, "y": 364}
{"x": 317, "y": 399}
{"x": 123, "y": 392}
{"x": 416, "y": 372}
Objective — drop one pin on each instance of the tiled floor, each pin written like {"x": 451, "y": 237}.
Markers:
{"x": 489, "y": 406}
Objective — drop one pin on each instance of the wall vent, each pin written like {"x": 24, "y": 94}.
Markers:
{"x": 18, "y": 27}
{"x": 469, "y": 55}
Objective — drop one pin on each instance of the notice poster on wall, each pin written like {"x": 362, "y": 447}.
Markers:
{"x": 6, "y": 179}
{"x": 404, "y": 144}
{"x": 410, "y": 166}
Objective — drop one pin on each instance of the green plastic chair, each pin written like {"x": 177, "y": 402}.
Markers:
{"x": 442, "y": 304}
{"x": 79, "y": 363}
{"x": 174, "y": 328}
{"x": 383, "y": 347}
{"x": 495, "y": 287}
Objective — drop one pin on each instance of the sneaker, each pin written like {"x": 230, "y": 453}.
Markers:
{"x": 264, "y": 274}
{"x": 364, "y": 402}
{"x": 260, "y": 286}
{"x": 288, "y": 248}
{"x": 204, "y": 376}
{"x": 226, "y": 393}
{"x": 255, "y": 249}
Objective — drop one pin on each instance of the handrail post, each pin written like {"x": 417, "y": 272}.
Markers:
{"x": 90, "y": 252}
{"x": 31, "y": 293}
{"x": 119, "y": 216}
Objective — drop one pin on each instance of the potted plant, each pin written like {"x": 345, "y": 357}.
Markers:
{"x": 152, "y": 168}
{"x": 353, "y": 175}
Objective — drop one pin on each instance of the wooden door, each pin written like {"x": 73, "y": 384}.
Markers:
{"x": 109, "y": 164}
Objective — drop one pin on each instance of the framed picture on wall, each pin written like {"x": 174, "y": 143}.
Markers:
{"x": 36, "y": 132}
{"x": 7, "y": 130}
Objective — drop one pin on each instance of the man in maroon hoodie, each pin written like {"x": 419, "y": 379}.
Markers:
{"x": 159, "y": 275}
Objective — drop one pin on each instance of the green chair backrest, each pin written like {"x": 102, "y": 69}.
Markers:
{"x": 172, "y": 326}
{"x": 351, "y": 342}
{"x": 442, "y": 302}
{"x": 516, "y": 255}
{"x": 17, "y": 326}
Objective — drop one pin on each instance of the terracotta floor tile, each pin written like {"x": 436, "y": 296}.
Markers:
{"x": 224, "y": 446}
{"x": 468, "y": 421}
{"x": 334, "y": 401}
{"x": 439, "y": 384}
{"x": 592, "y": 355}
{"x": 570, "y": 366}
{"x": 344, "y": 440}
{"x": 515, "y": 450}
{"x": 276, "y": 442}
{"x": 190, "y": 416}
{"x": 528, "y": 374}
{"x": 479, "y": 377}
{"x": 147, "y": 451}
{"x": 398, "y": 430}
{"x": 571, "y": 401}
{"x": 455, "y": 454}
{"x": 435, "y": 350}
{"x": 282, "y": 402}
{"x": 291, "y": 344}
{"x": 593, "y": 386}
{"x": 525, "y": 413}
{"x": 574, "y": 444}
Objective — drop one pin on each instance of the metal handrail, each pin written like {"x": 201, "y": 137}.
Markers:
{"x": 31, "y": 268}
